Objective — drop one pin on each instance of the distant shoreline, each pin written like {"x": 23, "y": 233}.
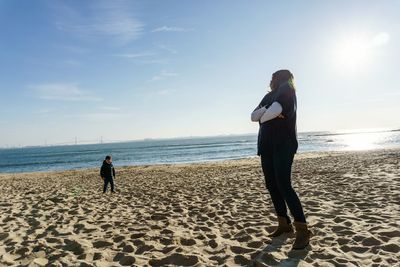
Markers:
{"x": 175, "y": 151}
{"x": 314, "y": 133}
{"x": 299, "y": 155}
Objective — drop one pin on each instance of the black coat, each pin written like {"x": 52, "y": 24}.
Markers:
{"x": 277, "y": 132}
{"x": 107, "y": 170}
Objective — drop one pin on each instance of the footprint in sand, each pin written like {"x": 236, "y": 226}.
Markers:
{"x": 175, "y": 259}
{"x": 102, "y": 244}
{"x": 73, "y": 246}
{"x": 187, "y": 242}
{"x": 144, "y": 248}
{"x": 128, "y": 248}
{"x": 124, "y": 259}
{"x": 241, "y": 260}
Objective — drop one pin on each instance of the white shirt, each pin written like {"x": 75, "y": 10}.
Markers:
{"x": 264, "y": 114}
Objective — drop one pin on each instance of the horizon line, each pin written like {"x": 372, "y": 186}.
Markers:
{"x": 98, "y": 142}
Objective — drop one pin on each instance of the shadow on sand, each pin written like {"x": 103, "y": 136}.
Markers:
{"x": 272, "y": 254}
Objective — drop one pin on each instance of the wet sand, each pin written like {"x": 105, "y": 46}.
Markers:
{"x": 203, "y": 214}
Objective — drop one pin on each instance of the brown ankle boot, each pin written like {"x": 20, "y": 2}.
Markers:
{"x": 283, "y": 227}
{"x": 302, "y": 235}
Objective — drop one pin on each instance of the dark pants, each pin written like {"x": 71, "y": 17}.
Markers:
{"x": 277, "y": 168}
{"x": 108, "y": 180}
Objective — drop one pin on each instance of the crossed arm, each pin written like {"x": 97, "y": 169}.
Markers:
{"x": 263, "y": 114}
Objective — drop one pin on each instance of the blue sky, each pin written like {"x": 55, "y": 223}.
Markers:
{"x": 150, "y": 69}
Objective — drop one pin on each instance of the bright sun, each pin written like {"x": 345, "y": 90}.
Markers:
{"x": 355, "y": 52}
{"x": 352, "y": 53}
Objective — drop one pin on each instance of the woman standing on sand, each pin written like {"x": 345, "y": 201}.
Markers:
{"x": 277, "y": 144}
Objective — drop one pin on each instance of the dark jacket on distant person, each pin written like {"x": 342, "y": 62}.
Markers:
{"x": 107, "y": 170}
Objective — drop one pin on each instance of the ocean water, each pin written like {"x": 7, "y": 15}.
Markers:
{"x": 184, "y": 150}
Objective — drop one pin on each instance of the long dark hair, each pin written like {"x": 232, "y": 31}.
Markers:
{"x": 281, "y": 76}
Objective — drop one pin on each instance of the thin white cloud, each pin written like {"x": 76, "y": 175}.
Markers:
{"x": 101, "y": 116}
{"x": 171, "y": 29}
{"x": 111, "y": 20}
{"x": 135, "y": 55}
{"x": 143, "y": 58}
{"x": 164, "y": 74}
{"x": 168, "y": 49}
{"x": 155, "y": 61}
{"x": 63, "y": 92}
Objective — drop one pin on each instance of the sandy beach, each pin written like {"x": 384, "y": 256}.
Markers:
{"x": 203, "y": 214}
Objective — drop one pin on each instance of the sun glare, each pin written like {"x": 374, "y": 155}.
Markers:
{"x": 352, "y": 53}
{"x": 355, "y": 51}
{"x": 361, "y": 141}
